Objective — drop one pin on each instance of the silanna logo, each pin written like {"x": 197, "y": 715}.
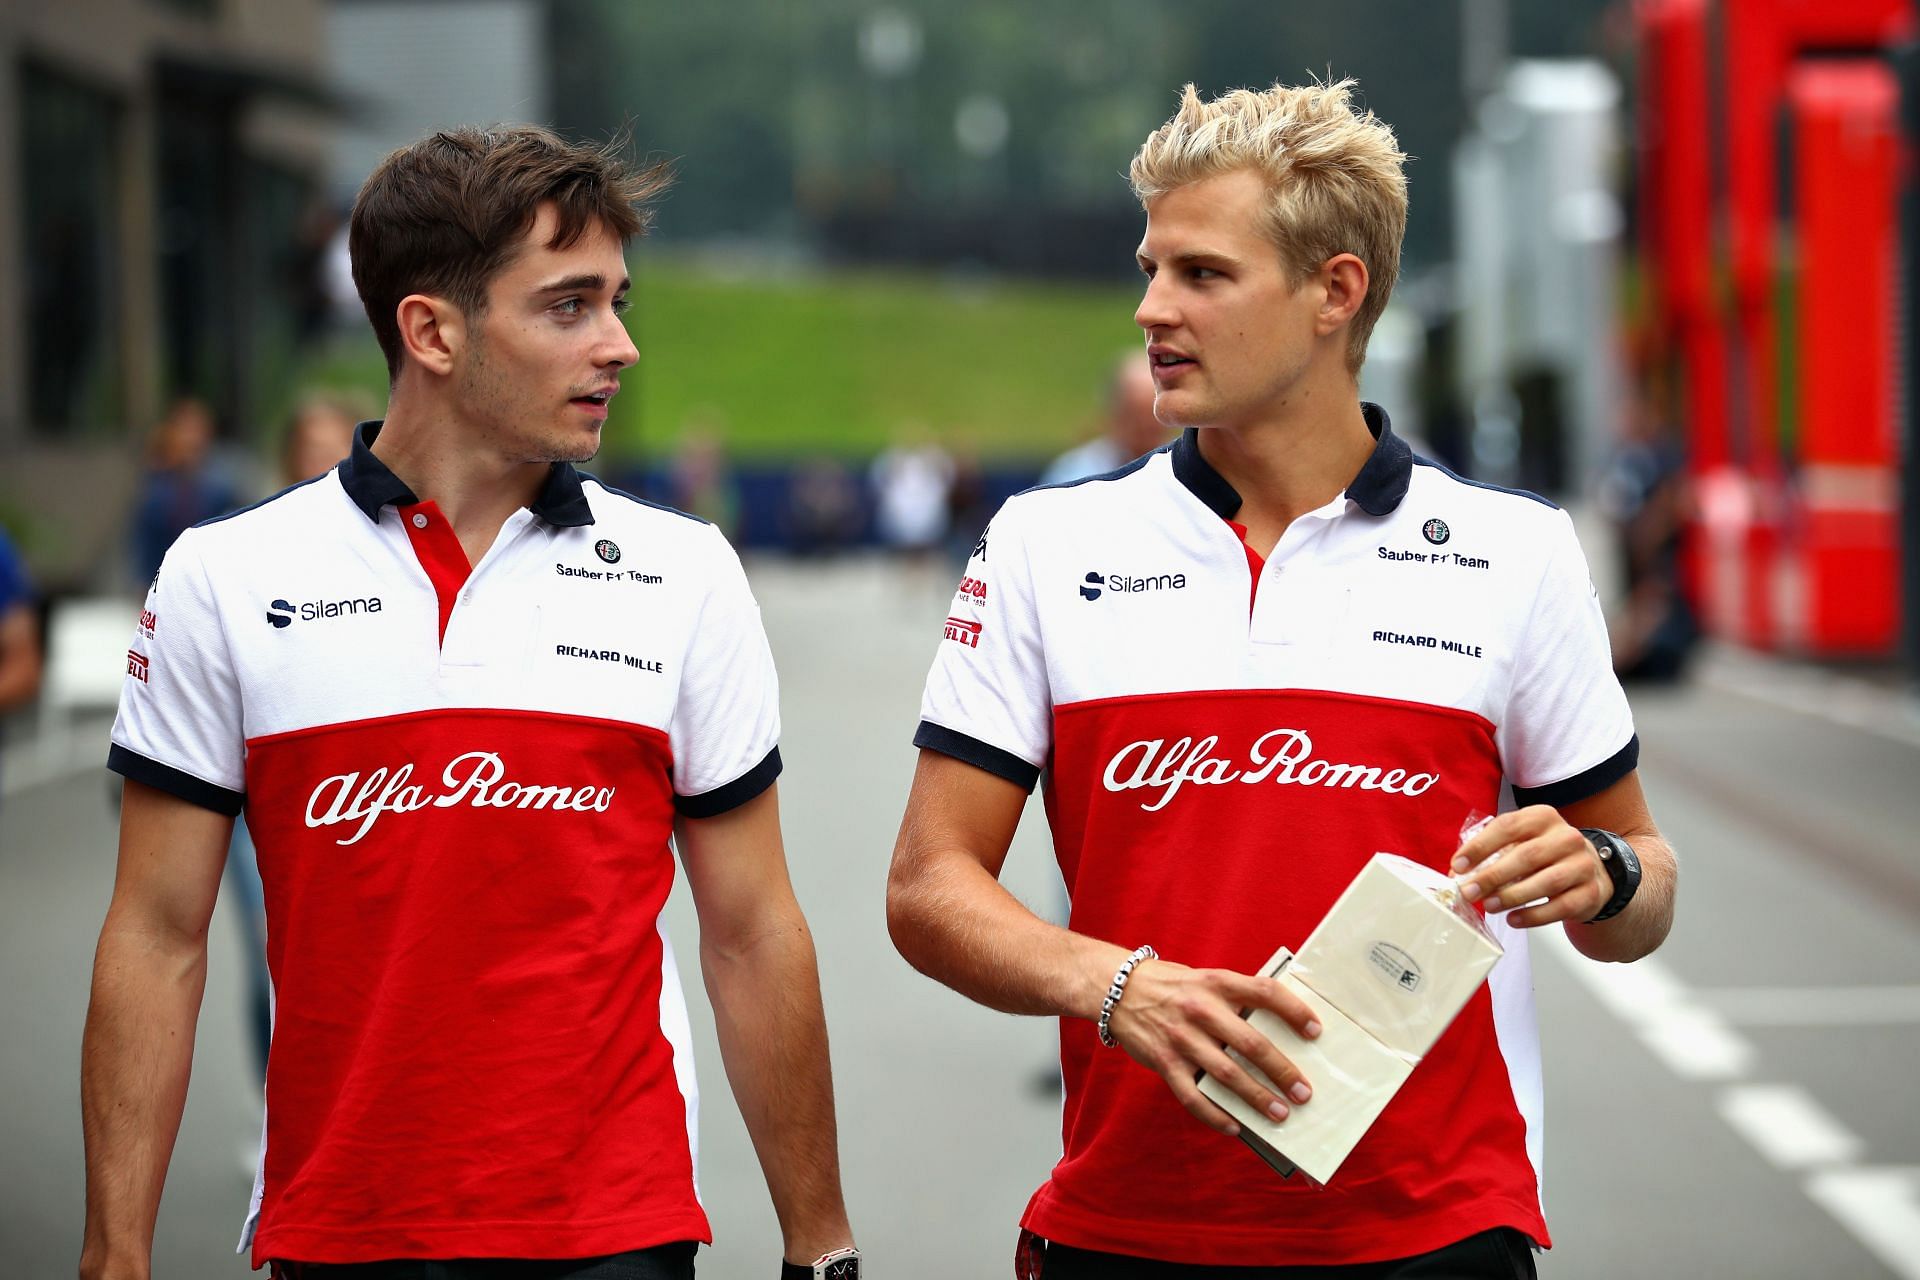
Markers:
{"x": 1094, "y": 584}
{"x": 282, "y": 614}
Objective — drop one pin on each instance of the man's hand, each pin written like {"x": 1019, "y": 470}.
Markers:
{"x": 1533, "y": 855}
{"x": 1174, "y": 1020}
{"x": 955, "y": 922}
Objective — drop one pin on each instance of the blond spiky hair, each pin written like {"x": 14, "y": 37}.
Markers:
{"x": 1334, "y": 178}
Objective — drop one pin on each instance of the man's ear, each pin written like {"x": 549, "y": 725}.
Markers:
{"x": 432, "y": 330}
{"x": 1344, "y": 278}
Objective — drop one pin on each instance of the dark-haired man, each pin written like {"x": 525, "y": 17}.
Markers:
{"x": 465, "y": 694}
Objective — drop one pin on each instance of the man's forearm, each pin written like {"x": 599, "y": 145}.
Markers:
{"x": 773, "y": 1037}
{"x": 19, "y": 681}
{"x": 958, "y": 925}
{"x": 134, "y": 1064}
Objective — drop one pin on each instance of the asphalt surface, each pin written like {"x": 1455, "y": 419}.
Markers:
{"x": 1744, "y": 1106}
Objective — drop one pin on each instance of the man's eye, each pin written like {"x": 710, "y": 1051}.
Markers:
{"x": 1203, "y": 273}
{"x": 622, "y": 305}
{"x": 568, "y": 306}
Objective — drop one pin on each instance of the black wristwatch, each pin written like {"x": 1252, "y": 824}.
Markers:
{"x": 841, "y": 1264}
{"x": 1623, "y": 866}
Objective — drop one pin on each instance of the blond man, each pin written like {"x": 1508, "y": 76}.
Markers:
{"x": 1243, "y": 664}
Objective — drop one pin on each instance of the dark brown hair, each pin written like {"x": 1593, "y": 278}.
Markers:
{"x": 445, "y": 215}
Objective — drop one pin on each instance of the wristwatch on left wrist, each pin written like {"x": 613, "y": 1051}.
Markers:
{"x": 1623, "y": 867}
{"x": 841, "y": 1264}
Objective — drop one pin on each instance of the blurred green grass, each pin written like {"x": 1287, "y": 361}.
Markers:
{"x": 839, "y": 363}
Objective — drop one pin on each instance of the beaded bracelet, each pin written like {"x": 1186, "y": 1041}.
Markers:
{"x": 1118, "y": 989}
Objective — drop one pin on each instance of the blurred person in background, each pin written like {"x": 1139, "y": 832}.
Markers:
{"x": 967, "y": 506}
{"x": 1644, "y": 492}
{"x": 319, "y": 434}
{"x": 823, "y": 507}
{"x": 20, "y": 658}
{"x": 1130, "y": 429}
{"x": 318, "y": 437}
{"x": 700, "y": 479}
{"x": 185, "y": 482}
{"x": 481, "y": 1052}
{"x": 1225, "y": 660}
{"x": 912, "y": 481}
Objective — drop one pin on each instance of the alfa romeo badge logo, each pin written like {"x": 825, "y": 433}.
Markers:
{"x": 1436, "y": 531}
{"x": 609, "y": 550}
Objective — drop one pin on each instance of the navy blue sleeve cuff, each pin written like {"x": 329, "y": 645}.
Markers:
{"x": 131, "y": 764}
{"x": 1590, "y": 782}
{"x": 981, "y": 755}
{"x": 710, "y": 804}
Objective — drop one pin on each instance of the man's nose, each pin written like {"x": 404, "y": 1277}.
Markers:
{"x": 1156, "y": 310}
{"x": 618, "y": 345}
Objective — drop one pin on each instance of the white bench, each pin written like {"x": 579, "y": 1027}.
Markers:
{"x": 88, "y": 642}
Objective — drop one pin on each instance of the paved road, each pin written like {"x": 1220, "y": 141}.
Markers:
{"x": 1742, "y": 1108}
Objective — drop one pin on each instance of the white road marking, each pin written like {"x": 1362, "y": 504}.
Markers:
{"x": 1698, "y": 1045}
{"x": 1815, "y": 1006}
{"x": 1881, "y": 1207}
{"x": 1695, "y": 1042}
{"x": 1786, "y": 1125}
{"x": 1690, "y": 1032}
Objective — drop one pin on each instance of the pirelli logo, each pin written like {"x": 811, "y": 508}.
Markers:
{"x": 965, "y": 631}
{"x": 137, "y": 666}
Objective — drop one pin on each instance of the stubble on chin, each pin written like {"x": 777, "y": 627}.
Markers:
{"x": 577, "y": 453}
{"x": 498, "y": 420}
{"x": 563, "y": 446}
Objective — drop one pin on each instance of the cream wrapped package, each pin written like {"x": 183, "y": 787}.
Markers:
{"x": 1386, "y": 970}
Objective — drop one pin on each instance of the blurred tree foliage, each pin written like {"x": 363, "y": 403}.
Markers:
{"x": 778, "y": 122}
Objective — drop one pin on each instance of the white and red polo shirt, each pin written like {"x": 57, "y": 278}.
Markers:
{"x": 1224, "y": 743}
{"x": 461, "y": 782}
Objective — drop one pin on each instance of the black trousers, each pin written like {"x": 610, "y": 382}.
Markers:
{"x": 662, "y": 1262}
{"x": 1500, "y": 1254}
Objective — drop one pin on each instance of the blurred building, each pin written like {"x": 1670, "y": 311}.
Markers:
{"x": 1538, "y": 241}
{"x": 159, "y": 166}
{"x": 411, "y": 66}
{"x": 1778, "y": 220}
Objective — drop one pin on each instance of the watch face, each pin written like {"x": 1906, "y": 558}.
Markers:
{"x": 844, "y": 1269}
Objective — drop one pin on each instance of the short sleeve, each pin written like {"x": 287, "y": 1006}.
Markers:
{"x": 725, "y": 733}
{"x": 180, "y": 722}
{"x": 988, "y": 700}
{"x": 15, "y": 589}
{"x": 1567, "y": 732}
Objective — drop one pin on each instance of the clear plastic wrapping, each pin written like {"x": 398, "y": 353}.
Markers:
{"x": 1400, "y": 953}
{"x": 1386, "y": 970}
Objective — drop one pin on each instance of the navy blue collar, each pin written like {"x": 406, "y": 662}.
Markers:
{"x": 1378, "y": 489}
{"x": 372, "y": 485}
